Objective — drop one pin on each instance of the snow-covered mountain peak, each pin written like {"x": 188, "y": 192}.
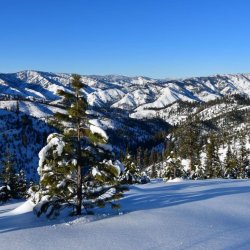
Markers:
{"x": 127, "y": 93}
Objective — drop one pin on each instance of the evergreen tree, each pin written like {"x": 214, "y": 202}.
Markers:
{"x": 22, "y": 185}
{"x": 146, "y": 158}
{"x": 152, "y": 162}
{"x": 8, "y": 176}
{"x": 139, "y": 160}
{"x": 72, "y": 165}
{"x": 173, "y": 167}
{"x": 212, "y": 162}
{"x": 4, "y": 193}
{"x": 132, "y": 173}
{"x": 243, "y": 160}
{"x": 200, "y": 172}
{"x": 170, "y": 145}
{"x": 152, "y": 157}
{"x": 188, "y": 143}
{"x": 230, "y": 164}
{"x": 154, "y": 173}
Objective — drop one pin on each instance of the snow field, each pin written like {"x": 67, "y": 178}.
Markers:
{"x": 211, "y": 214}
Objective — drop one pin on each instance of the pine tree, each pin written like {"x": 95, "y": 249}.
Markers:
{"x": 146, "y": 157}
{"x": 212, "y": 163}
{"x": 8, "y": 176}
{"x": 139, "y": 160}
{"x": 152, "y": 157}
{"x": 22, "y": 185}
{"x": 173, "y": 167}
{"x": 132, "y": 172}
{"x": 152, "y": 162}
{"x": 243, "y": 160}
{"x": 154, "y": 173}
{"x": 189, "y": 147}
{"x": 73, "y": 164}
{"x": 230, "y": 164}
{"x": 57, "y": 170}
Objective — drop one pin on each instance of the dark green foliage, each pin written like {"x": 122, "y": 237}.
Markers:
{"x": 72, "y": 166}
{"x": 243, "y": 160}
{"x": 173, "y": 167}
{"x": 153, "y": 172}
{"x": 4, "y": 193}
{"x": 8, "y": 175}
{"x": 213, "y": 166}
{"x": 230, "y": 164}
{"x": 132, "y": 173}
{"x": 23, "y": 136}
{"x": 188, "y": 143}
{"x": 22, "y": 185}
{"x": 12, "y": 184}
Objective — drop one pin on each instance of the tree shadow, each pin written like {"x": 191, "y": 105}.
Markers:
{"x": 178, "y": 194}
{"x": 140, "y": 197}
{"x": 11, "y": 222}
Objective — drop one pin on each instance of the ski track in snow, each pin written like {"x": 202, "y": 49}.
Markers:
{"x": 211, "y": 214}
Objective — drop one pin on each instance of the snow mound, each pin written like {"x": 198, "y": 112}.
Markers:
{"x": 26, "y": 207}
{"x": 176, "y": 180}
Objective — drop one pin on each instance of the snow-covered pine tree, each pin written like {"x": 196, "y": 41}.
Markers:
{"x": 139, "y": 160}
{"x": 73, "y": 168}
{"x": 188, "y": 143}
{"x": 212, "y": 161}
{"x": 153, "y": 161}
{"x": 57, "y": 173}
{"x": 230, "y": 164}
{"x": 22, "y": 184}
{"x": 153, "y": 172}
{"x": 243, "y": 160}
{"x": 8, "y": 176}
{"x": 173, "y": 167}
{"x": 132, "y": 172}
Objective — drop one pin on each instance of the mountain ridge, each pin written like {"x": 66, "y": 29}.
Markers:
{"x": 63, "y": 79}
{"x": 134, "y": 111}
{"x": 141, "y": 97}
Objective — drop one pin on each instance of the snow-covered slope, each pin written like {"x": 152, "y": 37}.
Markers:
{"x": 23, "y": 136}
{"x": 142, "y": 97}
{"x": 31, "y": 108}
{"x": 126, "y": 92}
{"x": 212, "y": 214}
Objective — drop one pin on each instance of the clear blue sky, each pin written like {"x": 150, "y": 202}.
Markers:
{"x": 157, "y": 38}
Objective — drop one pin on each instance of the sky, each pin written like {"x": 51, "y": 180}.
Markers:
{"x": 155, "y": 38}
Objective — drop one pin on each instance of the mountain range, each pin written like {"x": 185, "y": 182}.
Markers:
{"x": 132, "y": 110}
{"x": 141, "y": 97}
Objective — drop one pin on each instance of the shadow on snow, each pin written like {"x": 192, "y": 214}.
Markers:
{"x": 141, "y": 197}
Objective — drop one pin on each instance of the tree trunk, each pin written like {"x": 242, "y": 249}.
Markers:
{"x": 174, "y": 172}
{"x": 79, "y": 167}
{"x": 79, "y": 190}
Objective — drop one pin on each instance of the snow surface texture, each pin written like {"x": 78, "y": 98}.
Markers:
{"x": 211, "y": 214}
{"x": 32, "y": 108}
